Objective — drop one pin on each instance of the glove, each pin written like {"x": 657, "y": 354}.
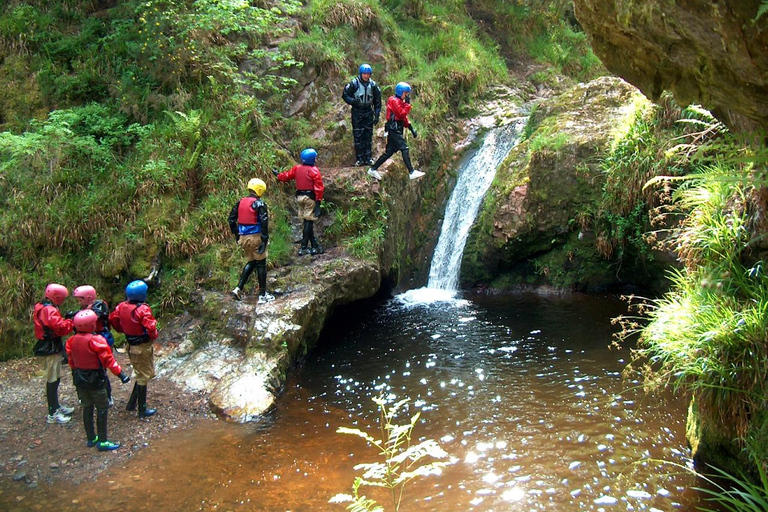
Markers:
{"x": 413, "y": 132}
{"x": 237, "y": 237}
{"x": 70, "y": 315}
{"x": 275, "y": 172}
{"x": 123, "y": 377}
{"x": 407, "y": 99}
{"x": 376, "y": 116}
{"x": 263, "y": 245}
{"x": 317, "y": 212}
{"x": 64, "y": 359}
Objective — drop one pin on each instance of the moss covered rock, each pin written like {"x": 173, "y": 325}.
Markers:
{"x": 534, "y": 227}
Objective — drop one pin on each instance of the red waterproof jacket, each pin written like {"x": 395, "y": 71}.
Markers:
{"x": 89, "y": 351}
{"x": 400, "y": 110}
{"x": 134, "y": 319}
{"x": 307, "y": 178}
{"x": 46, "y": 315}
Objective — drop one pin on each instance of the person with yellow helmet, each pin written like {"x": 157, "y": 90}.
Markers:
{"x": 249, "y": 222}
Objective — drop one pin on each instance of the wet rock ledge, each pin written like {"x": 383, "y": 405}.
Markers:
{"x": 238, "y": 353}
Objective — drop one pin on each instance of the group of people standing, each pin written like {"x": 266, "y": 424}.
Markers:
{"x": 89, "y": 353}
{"x": 249, "y": 218}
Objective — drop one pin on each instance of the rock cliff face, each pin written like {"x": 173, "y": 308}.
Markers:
{"x": 713, "y": 53}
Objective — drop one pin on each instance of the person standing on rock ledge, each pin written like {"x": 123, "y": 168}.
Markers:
{"x": 133, "y": 317}
{"x": 249, "y": 222}
{"x": 398, "y": 108}
{"x": 309, "y": 195}
{"x": 364, "y": 96}
{"x": 89, "y": 355}
{"x": 50, "y": 326}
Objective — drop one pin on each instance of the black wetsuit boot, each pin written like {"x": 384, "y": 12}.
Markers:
{"x": 144, "y": 411}
{"x": 52, "y": 396}
{"x": 104, "y": 444}
{"x": 247, "y": 271}
{"x": 131, "y": 405}
{"x": 90, "y": 432}
{"x": 305, "y": 236}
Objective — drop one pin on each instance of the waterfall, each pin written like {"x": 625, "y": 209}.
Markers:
{"x": 475, "y": 174}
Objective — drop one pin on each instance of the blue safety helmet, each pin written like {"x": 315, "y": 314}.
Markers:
{"x": 365, "y": 68}
{"x": 308, "y": 156}
{"x": 136, "y": 290}
{"x": 400, "y": 88}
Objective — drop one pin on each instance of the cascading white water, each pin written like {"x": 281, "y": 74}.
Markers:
{"x": 475, "y": 175}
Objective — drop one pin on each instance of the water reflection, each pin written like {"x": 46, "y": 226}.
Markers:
{"x": 522, "y": 393}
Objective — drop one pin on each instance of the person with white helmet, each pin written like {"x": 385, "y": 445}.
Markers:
{"x": 133, "y": 317}
{"x": 398, "y": 108}
{"x": 89, "y": 356}
{"x": 364, "y": 96}
{"x": 249, "y": 222}
{"x": 50, "y": 326}
{"x": 85, "y": 295}
{"x": 309, "y": 195}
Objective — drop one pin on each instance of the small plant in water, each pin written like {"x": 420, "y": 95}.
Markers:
{"x": 401, "y": 463}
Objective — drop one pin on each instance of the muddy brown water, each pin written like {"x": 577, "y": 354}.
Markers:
{"x": 522, "y": 392}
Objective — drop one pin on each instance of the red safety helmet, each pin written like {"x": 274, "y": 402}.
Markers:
{"x": 56, "y": 293}
{"x": 85, "y": 320}
{"x": 86, "y": 292}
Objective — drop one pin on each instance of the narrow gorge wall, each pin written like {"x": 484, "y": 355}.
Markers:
{"x": 713, "y": 53}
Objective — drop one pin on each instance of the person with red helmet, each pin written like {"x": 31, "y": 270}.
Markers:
{"x": 133, "y": 317}
{"x": 50, "y": 326}
{"x": 89, "y": 355}
{"x": 85, "y": 295}
{"x": 398, "y": 108}
{"x": 309, "y": 195}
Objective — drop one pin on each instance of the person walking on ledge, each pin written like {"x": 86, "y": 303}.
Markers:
{"x": 133, "y": 317}
{"x": 249, "y": 222}
{"x": 89, "y": 354}
{"x": 364, "y": 96}
{"x": 309, "y": 195}
{"x": 398, "y": 108}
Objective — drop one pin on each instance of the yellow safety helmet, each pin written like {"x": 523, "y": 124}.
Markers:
{"x": 257, "y": 186}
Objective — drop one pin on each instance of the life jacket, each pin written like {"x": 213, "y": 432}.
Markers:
{"x": 364, "y": 92}
{"x": 248, "y": 216}
{"x": 303, "y": 181}
{"x": 135, "y": 333}
{"x": 83, "y": 354}
{"x": 42, "y": 331}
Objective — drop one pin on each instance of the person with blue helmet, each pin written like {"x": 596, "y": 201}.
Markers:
{"x": 133, "y": 317}
{"x": 309, "y": 195}
{"x": 249, "y": 222}
{"x": 398, "y": 108}
{"x": 364, "y": 96}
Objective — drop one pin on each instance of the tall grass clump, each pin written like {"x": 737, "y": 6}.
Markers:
{"x": 706, "y": 338}
{"x": 547, "y": 32}
{"x": 647, "y": 143}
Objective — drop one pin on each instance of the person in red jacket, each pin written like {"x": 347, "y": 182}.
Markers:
{"x": 85, "y": 295}
{"x": 309, "y": 195}
{"x": 398, "y": 108}
{"x": 133, "y": 317}
{"x": 89, "y": 354}
{"x": 50, "y": 326}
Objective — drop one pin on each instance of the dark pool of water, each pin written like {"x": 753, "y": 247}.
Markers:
{"x": 523, "y": 393}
